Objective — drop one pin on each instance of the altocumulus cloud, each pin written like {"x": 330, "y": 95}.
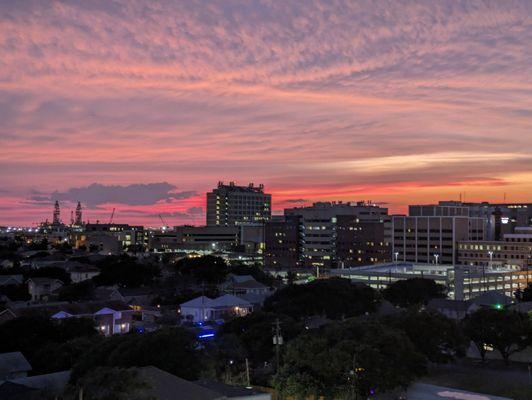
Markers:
{"x": 135, "y": 194}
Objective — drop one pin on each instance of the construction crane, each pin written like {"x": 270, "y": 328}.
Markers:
{"x": 164, "y": 223}
{"x": 112, "y": 216}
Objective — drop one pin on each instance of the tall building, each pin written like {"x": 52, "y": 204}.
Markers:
{"x": 502, "y": 218}
{"x": 433, "y": 239}
{"x": 230, "y": 205}
{"x": 79, "y": 216}
{"x": 329, "y": 235}
{"x": 57, "y": 214}
{"x": 515, "y": 250}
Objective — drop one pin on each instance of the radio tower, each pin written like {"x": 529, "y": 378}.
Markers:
{"x": 79, "y": 220}
{"x": 57, "y": 214}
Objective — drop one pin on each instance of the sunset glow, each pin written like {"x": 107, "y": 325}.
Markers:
{"x": 145, "y": 106}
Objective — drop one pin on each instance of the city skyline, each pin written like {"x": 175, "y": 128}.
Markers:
{"x": 144, "y": 107}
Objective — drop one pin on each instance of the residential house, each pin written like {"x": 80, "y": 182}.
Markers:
{"x": 204, "y": 308}
{"x": 7, "y": 280}
{"x": 13, "y": 365}
{"x": 81, "y": 272}
{"x": 162, "y": 385}
{"x": 41, "y": 289}
{"x": 35, "y": 387}
{"x": 110, "y": 317}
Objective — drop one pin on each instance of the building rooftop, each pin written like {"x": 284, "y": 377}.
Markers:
{"x": 13, "y": 362}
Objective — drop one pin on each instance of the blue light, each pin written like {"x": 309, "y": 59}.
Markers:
{"x": 205, "y": 335}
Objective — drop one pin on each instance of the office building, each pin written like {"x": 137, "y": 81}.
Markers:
{"x": 433, "y": 239}
{"x": 329, "y": 234}
{"x": 502, "y": 218}
{"x": 514, "y": 250}
{"x": 230, "y": 205}
{"x": 462, "y": 282}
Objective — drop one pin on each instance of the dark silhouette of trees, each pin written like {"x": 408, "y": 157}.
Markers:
{"x": 413, "y": 292}
{"x": 347, "y": 358}
{"x": 505, "y": 330}
{"x": 333, "y": 298}
{"x": 207, "y": 269}
{"x": 437, "y": 337}
{"x": 125, "y": 271}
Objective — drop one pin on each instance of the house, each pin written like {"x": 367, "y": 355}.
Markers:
{"x": 35, "y": 387}
{"x": 458, "y": 309}
{"x": 137, "y": 297}
{"x": 454, "y": 309}
{"x": 41, "y": 289}
{"x": 13, "y": 365}
{"x": 81, "y": 272}
{"x": 110, "y": 317}
{"x": 204, "y": 308}
{"x": 7, "y": 280}
{"x": 6, "y": 315}
{"x": 244, "y": 284}
{"x": 164, "y": 386}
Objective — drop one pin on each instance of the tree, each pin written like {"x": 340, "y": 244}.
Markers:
{"x": 106, "y": 383}
{"x": 254, "y": 331}
{"x": 334, "y": 298}
{"x": 353, "y": 356}
{"x": 15, "y": 292}
{"x": 505, "y": 330}
{"x": 208, "y": 269}
{"x": 77, "y": 292}
{"x": 30, "y": 335}
{"x": 172, "y": 350}
{"x": 435, "y": 336}
{"x": 413, "y": 292}
{"x": 126, "y": 271}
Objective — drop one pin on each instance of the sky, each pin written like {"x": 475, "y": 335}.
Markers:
{"x": 144, "y": 106}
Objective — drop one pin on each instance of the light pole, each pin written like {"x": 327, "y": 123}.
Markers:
{"x": 491, "y": 256}
{"x": 396, "y": 254}
{"x": 436, "y": 256}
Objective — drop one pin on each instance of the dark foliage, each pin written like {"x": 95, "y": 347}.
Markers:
{"x": 125, "y": 271}
{"x": 207, "y": 269}
{"x": 255, "y": 333}
{"x": 437, "y": 337}
{"x": 77, "y": 291}
{"x": 172, "y": 350}
{"x": 333, "y": 298}
{"x": 505, "y": 330}
{"x": 413, "y": 292}
{"x": 15, "y": 292}
{"x": 352, "y": 356}
{"x": 30, "y": 335}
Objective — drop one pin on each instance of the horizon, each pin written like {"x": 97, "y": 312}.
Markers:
{"x": 143, "y": 107}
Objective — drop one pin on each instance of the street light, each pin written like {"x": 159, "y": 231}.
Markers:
{"x": 396, "y": 254}
{"x": 436, "y": 256}
{"x": 491, "y": 256}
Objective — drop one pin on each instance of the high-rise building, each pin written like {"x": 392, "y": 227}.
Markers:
{"x": 329, "y": 235}
{"x": 79, "y": 217}
{"x": 57, "y": 214}
{"x": 515, "y": 250}
{"x": 230, "y": 205}
{"x": 433, "y": 239}
{"x": 502, "y": 218}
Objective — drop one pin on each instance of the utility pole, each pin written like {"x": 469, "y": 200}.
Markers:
{"x": 277, "y": 342}
{"x": 248, "y": 381}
